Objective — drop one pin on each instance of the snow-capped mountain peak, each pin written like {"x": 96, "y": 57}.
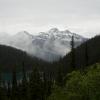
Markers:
{"x": 67, "y": 31}
{"x": 53, "y": 30}
{"x": 60, "y": 35}
{"x": 49, "y": 45}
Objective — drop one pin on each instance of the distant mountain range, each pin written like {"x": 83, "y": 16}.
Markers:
{"x": 49, "y": 46}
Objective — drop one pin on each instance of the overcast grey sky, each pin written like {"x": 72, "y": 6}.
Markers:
{"x": 80, "y": 16}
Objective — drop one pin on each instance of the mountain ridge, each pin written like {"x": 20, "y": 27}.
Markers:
{"x": 53, "y": 43}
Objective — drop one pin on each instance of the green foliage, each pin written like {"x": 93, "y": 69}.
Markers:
{"x": 60, "y": 77}
{"x": 80, "y": 86}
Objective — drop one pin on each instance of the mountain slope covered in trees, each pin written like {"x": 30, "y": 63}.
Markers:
{"x": 86, "y": 54}
{"x": 13, "y": 58}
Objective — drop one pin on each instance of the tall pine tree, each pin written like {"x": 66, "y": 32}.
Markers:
{"x": 24, "y": 87}
{"x": 73, "y": 53}
{"x": 8, "y": 90}
{"x": 1, "y": 88}
{"x": 14, "y": 85}
{"x": 86, "y": 54}
{"x": 35, "y": 85}
{"x": 60, "y": 76}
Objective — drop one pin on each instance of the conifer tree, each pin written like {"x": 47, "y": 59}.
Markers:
{"x": 50, "y": 83}
{"x": 86, "y": 54}
{"x": 35, "y": 85}
{"x": 3, "y": 90}
{"x": 8, "y": 90}
{"x": 1, "y": 93}
{"x": 46, "y": 86}
{"x": 14, "y": 85}
{"x": 59, "y": 77}
{"x": 24, "y": 88}
{"x": 72, "y": 53}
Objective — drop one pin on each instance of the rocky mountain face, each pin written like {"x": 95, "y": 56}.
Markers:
{"x": 49, "y": 46}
